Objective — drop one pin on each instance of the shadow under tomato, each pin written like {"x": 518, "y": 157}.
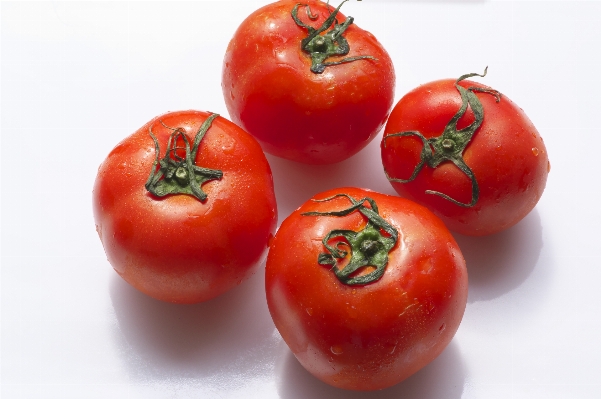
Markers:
{"x": 229, "y": 339}
{"x": 499, "y": 263}
{"x": 295, "y": 182}
{"x": 443, "y": 378}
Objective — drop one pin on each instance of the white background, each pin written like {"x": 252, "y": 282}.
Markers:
{"x": 78, "y": 77}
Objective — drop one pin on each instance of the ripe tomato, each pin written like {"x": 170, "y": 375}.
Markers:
{"x": 309, "y": 84}
{"x": 467, "y": 153}
{"x": 178, "y": 241}
{"x": 365, "y": 288}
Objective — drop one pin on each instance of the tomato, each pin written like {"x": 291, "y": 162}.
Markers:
{"x": 179, "y": 239}
{"x": 466, "y": 152}
{"x": 365, "y": 288}
{"x": 309, "y": 84}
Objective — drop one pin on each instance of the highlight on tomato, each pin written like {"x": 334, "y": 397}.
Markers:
{"x": 307, "y": 82}
{"x": 466, "y": 152}
{"x": 365, "y": 288}
{"x": 185, "y": 206}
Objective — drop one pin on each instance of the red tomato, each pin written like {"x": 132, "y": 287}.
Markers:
{"x": 481, "y": 169}
{"x": 187, "y": 242}
{"x": 314, "y": 116}
{"x": 365, "y": 289}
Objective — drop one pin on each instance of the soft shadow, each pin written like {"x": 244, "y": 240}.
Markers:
{"x": 231, "y": 334}
{"x": 444, "y": 378}
{"x": 295, "y": 182}
{"x": 501, "y": 262}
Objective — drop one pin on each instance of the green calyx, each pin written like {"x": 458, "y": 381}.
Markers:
{"x": 174, "y": 174}
{"x": 368, "y": 247}
{"x": 449, "y": 146}
{"x": 332, "y": 43}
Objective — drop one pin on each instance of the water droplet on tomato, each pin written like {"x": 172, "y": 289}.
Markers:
{"x": 430, "y": 308}
{"x": 442, "y": 327}
{"x": 535, "y": 151}
{"x": 336, "y": 349}
{"x": 548, "y": 166}
{"x": 309, "y": 311}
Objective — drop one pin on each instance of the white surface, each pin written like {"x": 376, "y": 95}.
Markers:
{"x": 79, "y": 77}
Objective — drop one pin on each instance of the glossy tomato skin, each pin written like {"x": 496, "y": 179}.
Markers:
{"x": 372, "y": 336}
{"x": 506, "y": 154}
{"x": 296, "y": 114}
{"x": 177, "y": 248}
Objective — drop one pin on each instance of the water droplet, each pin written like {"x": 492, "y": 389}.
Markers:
{"x": 535, "y": 151}
{"x": 336, "y": 349}
{"x": 442, "y": 327}
{"x": 309, "y": 311}
{"x": 430, "y": 308}
{"x": 548, "y": 166}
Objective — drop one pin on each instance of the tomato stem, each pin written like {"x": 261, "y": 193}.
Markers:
{"x": 174, "y": 174}
{"x": 449, "y": 146}
{"x": 369, "y": 247}
{"x": 333, "y": 43}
